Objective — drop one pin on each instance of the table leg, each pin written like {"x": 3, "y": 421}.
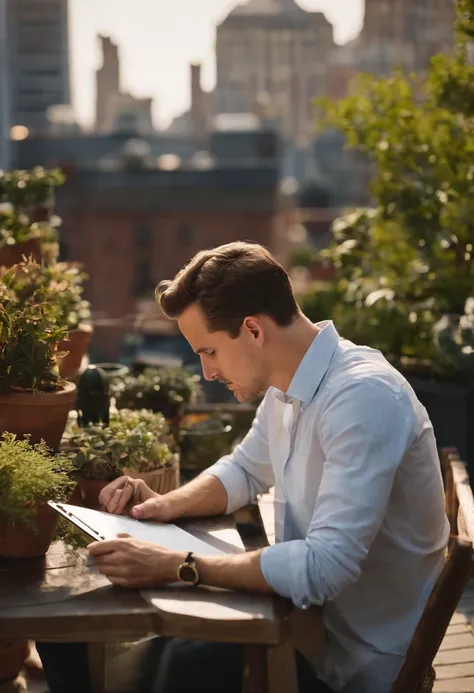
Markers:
{"x": 269, "y": 669}
{"x": 281, "y": 669}
{"x": 255, "y": 669}
{"x": 97, "y": 656}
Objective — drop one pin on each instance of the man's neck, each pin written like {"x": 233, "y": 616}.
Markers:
{"x": 291, "y": 344}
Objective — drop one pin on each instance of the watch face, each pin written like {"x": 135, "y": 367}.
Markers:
{"x": 188, "y": 574}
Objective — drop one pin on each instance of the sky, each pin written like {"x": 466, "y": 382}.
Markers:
{"x": 158, "y": 39}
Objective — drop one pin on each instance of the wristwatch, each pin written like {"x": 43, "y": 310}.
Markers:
{"x": 188, "y": 573}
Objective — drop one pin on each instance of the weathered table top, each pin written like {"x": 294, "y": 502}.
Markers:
{"x": 61, "y": 597}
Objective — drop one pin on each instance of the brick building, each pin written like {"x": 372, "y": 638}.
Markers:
{"x": 135, "y": 225}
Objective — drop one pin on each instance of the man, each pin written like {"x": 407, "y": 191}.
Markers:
{"x": 359, "y": 511}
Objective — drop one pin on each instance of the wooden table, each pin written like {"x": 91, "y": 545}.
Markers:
{"x": 61, "y": 598}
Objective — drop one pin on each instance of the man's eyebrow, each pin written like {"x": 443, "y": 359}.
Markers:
{"x": 202, "y": 349}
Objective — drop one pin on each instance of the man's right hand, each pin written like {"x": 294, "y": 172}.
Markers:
{"x": 117, "y": 497}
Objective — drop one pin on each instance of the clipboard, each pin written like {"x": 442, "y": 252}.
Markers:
{"x": 65, "y": 511}
{"x": 103, "y": 526}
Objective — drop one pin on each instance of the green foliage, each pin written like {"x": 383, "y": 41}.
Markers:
{"x": 163, "y": 390}
{"x": 405, "y": 270}
{"x": 60, "y": 285}
{"x": 465, "y": 23}
{"x": 321, "y": 302}
{"x": 304, "y": 256}
{"x": 204, "y": 439}
{"x": 16, "y": 228}
{"x": 29, "y": 337}
{"x": 30, "y": 475}
{"x": 25, "y": 189}
{"x": 139, "y": 440}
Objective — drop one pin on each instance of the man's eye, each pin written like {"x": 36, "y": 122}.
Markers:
{"x": 211, "y": 353}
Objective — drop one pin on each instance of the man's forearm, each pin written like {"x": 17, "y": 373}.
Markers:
{"x": 235, "y": 572}
{"x": 203, "y": 496}
{"x": 239, "y": 571}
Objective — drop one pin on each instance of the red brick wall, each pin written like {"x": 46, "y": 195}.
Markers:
{"x": 106, "y": 243}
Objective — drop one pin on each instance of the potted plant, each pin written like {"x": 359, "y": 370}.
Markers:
{"x": 164, "y": 390}
{"x": 405, "y": 268}
{"x": 59, "y": 284}
{"x": 136, "y": 443}
{"x": 203, "y": 440}
{"x": 29, "y": 476}
{"x": 18, "y": 237}
{"x": 34, "y": 399}
{"x": 31, "y": 191}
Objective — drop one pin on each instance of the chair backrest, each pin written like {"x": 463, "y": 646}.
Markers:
{"x": 416, "y": 674}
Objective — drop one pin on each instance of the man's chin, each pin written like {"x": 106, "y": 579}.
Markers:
{"x": 246, "y": 397}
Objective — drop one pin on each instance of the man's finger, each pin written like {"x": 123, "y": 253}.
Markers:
{"x": 112, "y": 569}
{"x": 115, "y": 502}
{"x": 128, "y": 493}
{"x": 99, "y": 548}
{"x": 106, "y": 494}
{"x": 119, "y": 581}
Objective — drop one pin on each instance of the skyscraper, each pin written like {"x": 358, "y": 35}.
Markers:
{"x": 405, "y": 33}
{"x": 271, "y": 58}
{"x": 38, "y": 60}
{"x": 107, "y": 81}
{"x": 4, "y": 90}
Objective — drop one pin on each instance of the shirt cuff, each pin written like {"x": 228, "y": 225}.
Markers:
{"x": 235, "y": 482}
{"x": 281, "y": 565}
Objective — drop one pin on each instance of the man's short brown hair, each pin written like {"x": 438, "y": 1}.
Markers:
{"x": 230, "y": 283}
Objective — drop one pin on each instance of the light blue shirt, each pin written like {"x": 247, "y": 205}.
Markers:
{"x": 360, "y": 521}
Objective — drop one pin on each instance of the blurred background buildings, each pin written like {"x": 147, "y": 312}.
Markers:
{"x": 243, "y": 161}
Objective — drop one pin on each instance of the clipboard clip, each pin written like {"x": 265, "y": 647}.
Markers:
{"x": 76, "y": 520}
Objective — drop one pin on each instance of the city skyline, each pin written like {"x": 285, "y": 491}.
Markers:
{"x": 158, "y": 43}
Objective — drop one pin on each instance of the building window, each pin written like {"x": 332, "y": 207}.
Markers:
{"x": 142, "y": 279}
{"x": 143, "y": 235}
{"x": 185, "y": 234}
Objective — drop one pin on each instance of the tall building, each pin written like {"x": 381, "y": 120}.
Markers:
{"x": 271, "y": 59}
{"x": 38, "y": 60}
{"x": 107, "y": 81}
{"x": 4, "y": 90}
{"x": 117, "y": 111}
{"x": 405, "y": 33}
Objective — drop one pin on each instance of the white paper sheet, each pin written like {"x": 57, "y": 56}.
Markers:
{"x": 107, "y": 526}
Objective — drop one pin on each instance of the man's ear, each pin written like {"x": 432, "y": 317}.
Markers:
{"x": 255, "y": 328}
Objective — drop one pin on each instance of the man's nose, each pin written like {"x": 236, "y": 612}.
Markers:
{"x": 209, "y": 371}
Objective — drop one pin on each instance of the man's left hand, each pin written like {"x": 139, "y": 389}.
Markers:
{"x": 130, "y": 562}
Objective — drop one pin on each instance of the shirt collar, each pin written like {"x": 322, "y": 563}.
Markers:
{"x": 313, "y": 365}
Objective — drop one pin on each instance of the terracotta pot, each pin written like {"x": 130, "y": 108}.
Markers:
{"x": 159, "y": 480}
{"x": 11, "y": 254}
{"x": 21, "y": 541}
{"x": 76, "y": 345}
{"x": 12, "y": 656}
{"x": 40, "y": 414}
{"x": 87, "y": 493}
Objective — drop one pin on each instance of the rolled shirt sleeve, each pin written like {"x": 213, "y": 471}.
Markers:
{"x": 365, "y": 432}
{"x": 247, "y": 471}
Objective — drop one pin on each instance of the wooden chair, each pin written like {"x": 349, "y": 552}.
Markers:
{"x": 417, "y": 674}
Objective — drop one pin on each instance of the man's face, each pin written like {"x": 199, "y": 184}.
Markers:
{"x": 239, "y": 363}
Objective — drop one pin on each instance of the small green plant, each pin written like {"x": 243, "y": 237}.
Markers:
{"x": 60, "y": 285}
{"x": 138, "y": 440}
{"x": 15, "y": 228}
{"x": 163, "y": 390}
{"x": 29, "y": 338}
{"x": 29, "y": 188}
{"x": 30, "y": 475}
